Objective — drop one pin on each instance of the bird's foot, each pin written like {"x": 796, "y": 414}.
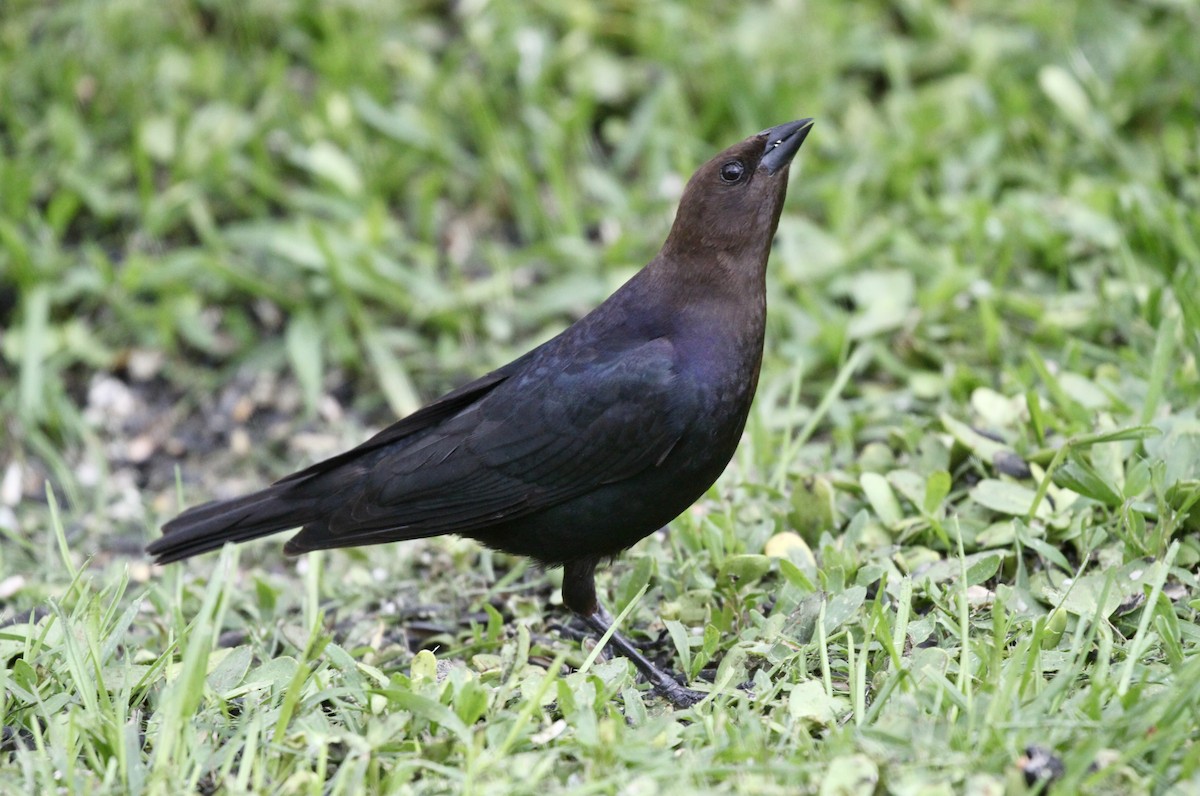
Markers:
{"x": 661, "y": 681}
{"x": 678, "y": 695}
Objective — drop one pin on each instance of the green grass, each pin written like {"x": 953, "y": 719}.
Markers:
{"x": 964, "y": 520}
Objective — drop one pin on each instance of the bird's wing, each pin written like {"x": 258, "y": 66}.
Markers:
{"x": 552, "y": 432}
{"x": 424, "y": 418}
{"x": 299, "y": 498}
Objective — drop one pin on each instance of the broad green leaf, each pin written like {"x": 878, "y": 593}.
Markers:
{"x": 1079, "y": 476}
{"x": 882, "y": 499}
{"x": 842, "y": 606}
{"x": 745, "y": 568}
{"x": 851, "y": 775}
{"x": 1008, "y": 498}
{"x": 984, "y": 448}
{"x": 937, "y": 487}
{"x": 809, "y": 703}
{"x": 230, "y": 671}
{"x": 1065, "y": 92}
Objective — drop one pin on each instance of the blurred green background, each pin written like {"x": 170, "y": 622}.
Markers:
{"x": 237, "y": 236}
{"x": 406, "y": 193}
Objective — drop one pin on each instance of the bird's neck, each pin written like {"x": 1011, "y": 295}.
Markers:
{"x": 711, "y": 278}
{"x": 717, "y": 304}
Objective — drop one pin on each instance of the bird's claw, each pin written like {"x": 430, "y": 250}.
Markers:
{"x": 678, "y": 695}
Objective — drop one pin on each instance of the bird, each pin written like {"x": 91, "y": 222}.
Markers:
{"x": 578, "y": 449}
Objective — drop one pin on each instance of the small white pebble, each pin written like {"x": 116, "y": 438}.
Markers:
{"x": 550, "y": 733}
{"x": 330, "y": 409}
{"x": 109, "y": 402}
{"x": 11, "y": 585}
{"x": 87, "y": 474}
{"x": 141, "y": 448}
{"x": 10, "y": 486}
{"x": 144, "y": 364}
{"x": 239, "y": 441}
{"x": 978, "y": 596}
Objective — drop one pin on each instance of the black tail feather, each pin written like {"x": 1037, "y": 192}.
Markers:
{"x": 211, "y": 525}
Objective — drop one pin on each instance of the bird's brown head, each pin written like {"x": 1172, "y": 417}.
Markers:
{"x": 731, "y": 205}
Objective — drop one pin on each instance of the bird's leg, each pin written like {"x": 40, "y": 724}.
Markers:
{"x": 579, "y": 594}
{"x": 662, "y": 682}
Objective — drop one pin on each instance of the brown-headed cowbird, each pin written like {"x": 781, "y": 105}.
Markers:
{"x": 584, "y": 445}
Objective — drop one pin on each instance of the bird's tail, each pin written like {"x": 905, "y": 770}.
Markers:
{"x": 211, "y": 525}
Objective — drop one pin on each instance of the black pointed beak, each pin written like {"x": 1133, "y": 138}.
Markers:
{"x": 782, "y": 143}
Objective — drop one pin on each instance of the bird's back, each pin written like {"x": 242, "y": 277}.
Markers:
{"x": 600, "y": 433}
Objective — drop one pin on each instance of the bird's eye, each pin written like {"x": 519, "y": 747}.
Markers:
{"x": 732, "y": 172}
